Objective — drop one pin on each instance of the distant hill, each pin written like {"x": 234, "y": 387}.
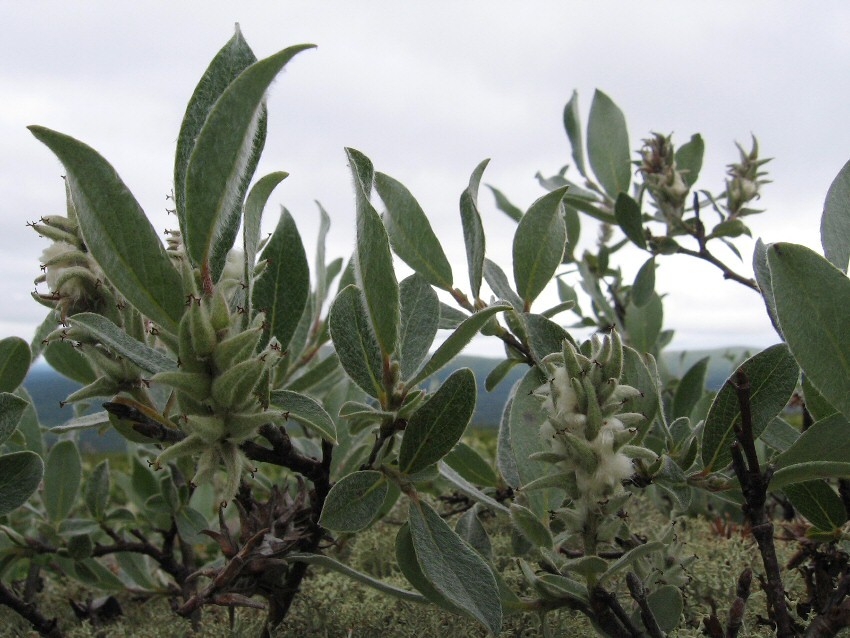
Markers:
{"x": 47, "y": 388}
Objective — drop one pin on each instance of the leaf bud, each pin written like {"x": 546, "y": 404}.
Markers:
{"x": 203, "y": 334}
{"x": 219, "y": 311}
{"x": 210, "y": 428}
{"x": 57, "y": 234}
{"x": 60, "y": 222}
{"x": 236, "y": 349}
{"x": 197, "y": 385}
{"x": 235, "y": 386}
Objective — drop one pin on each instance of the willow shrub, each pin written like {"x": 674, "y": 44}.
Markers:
{"x": 237, "y": 381}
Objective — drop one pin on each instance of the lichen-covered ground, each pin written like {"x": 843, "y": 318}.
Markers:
{"x": 331, "y": 605}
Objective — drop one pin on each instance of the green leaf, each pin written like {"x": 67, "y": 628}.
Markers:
{"x": 762, "y": 274}
{"x": 14, "y": 362}
{"x": 637, "y": 375}
{"x": 813, "y": 306}
{"x": 355, "y": 342}
{"x": 521, "y": 438}
{"x": 437, "y": 426}
{"x": 608, "y": 145}
{"x": 116, "y": 231}
{"x": 544, "y": 336}
{"x": 117, "y": 340}
{"x": 468, "y": 489}
{"x": 471, "y": 465}
{"x": 538, "y": 246}
{"x": 20, "y": 475}
{"x": 817, "y": 406}
{"x": 825, "y": 440}
{"x": 373, "y": 259}
{"x": 772, "y": 375}
{"x": 473, "y": 229}
{"x": 630, "y": 219}
{"x": 320, "y": 372}
{"x": 819, "y": 503}
{"x": 643, "y": 323}
{"x": 689, "y": 158}
{"x": 504, "y": 205}
{"x": 470, "y": 529}
{"x": 11, "y": 410}
{"x": 644, "y": 285}
{"x": 97, "y": 490}
{"x": 282, "y": 290}
{"x": 729, "y": 228}
{"x": 690, "y": 389}
{"x": 61, "y": 480}
{"x": 253, "y": 213}
{"x": 190, "y": 523}
{"x": 589, "y": 207}
{"x": 456, "y": 342}
{"x": 305, "y": 410}
{"x": 498, "y": 282}
{"x": 558, "y": 308}
{"x": 450, "y": 318}
{"x": 835, "y": 222}
{"x": 321, "y": 274}
{"x": 334, "y": 565}
{"x": 535, "y": 532}
{"x": 137, "y": 568}
{"x": 453, "y": 568}
{"x": 228, "y": 63}
{"x": 801, "y": 472}
{"x": 410, "y": 233}
{"x": 672, "y": 480}
{"x": 497, "y": 374}
{"x": 419, "y": 320}
{"x": 354, "y": 501}
{"x": 224, "y": 241}
{"x": 29, "y": 425}
{"x": 222, "y": 154}
{"x": 69, "y": 361}
{"x": 629, "y": 558}
{"x": 667, "y": 606}
{"x": 409, "y": 566}
{"x": 779, "y": 434}
{"x": 572, "y": 124}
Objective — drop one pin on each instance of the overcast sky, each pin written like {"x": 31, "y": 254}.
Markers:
{"x": 427, "y": 90}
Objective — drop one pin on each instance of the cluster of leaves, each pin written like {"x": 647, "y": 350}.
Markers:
{"x": 233, "y": 385}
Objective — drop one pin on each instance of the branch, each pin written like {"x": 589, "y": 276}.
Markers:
{"x": 638, "y": 592}
{"x": 706, "y": 255}
{"x": 503, "y": 334}
{"x": 754, "y": 487}
{"x": 29, "y": 612}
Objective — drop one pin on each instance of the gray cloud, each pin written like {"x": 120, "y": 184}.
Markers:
{"x": 428, "y": 90}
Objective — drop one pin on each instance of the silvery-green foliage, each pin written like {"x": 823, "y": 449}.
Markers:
{"x": 215, "y": 360}
{"x": 20, "y": 471}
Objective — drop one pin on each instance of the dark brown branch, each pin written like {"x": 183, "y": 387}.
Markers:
{"x": 30, "y": 613}
{"x": 279, "y": 606}
{"x": 706, "y": 255}
{"x": 606, "y": 611}
{"x": 754, "y": 488}
{"x": 503, "y": 334}
{"x": 282, "y": 452}
{"x": 698, "y": 232}
{"x": 736, "y": 610}
{"x": 638, "y": 592}
{"x": 744, "y": 434}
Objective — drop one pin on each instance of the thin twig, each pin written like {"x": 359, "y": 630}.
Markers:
{"x": 638, "y": 592}
{"x": 754, "y": 488}
{"x": 30, "y": 613}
